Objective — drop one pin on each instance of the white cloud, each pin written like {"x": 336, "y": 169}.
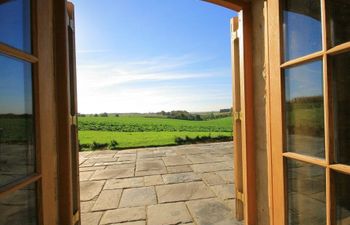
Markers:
{"x": 159, "y": 83}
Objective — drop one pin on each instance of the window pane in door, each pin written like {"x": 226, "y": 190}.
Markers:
{"x": 15, "y": 29}
{"x": 340, "y": 71}
{"x": 306, "y": 190}
{"x": 338, "y": 15}
{"x": 17, "y": 155}
{"x": 342, "y": 198}
{"x": 301, "y": 27}
{"x": 304, "y": 116}
{"x": 19, "y": 207}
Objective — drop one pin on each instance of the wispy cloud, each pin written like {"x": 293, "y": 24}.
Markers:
{"x": 147, "y": 85}
{"x": 105, "y": 74}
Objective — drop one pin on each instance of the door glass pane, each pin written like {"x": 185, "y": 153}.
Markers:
{"x": 17, "y": 155}
{"x": 306, "y": 189}
{"x": 342, "y": 198}
{"x": 340, "y": 70}
{"x": 301, "y": 28}
{"x": 304, "y": 116}
{"x": 338, "y": 15}
{"x": 19, "y": 207}
{"x": 15, "y": 29}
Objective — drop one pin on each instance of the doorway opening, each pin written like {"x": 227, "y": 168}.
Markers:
{"x": 124, "y": 99}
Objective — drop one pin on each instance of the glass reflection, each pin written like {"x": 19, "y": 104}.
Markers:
{"x": 342, "y": 198}
{"x": 340, "y": 69}
{"x": 301, "y": 28}
{"x": 306, "y": 189}
{"x": 15, "y": 29}
{"x": 304, "y": 116}
{"x": 338, "y": 15}
{"x": 19, "y": 207}
{"x": 17, "y": 156}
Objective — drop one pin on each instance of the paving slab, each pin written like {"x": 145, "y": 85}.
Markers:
{"x": 122, "y": 165}
{"x": 91, "y": 168}
{"x": 211, "y": 211}
{"x": 179, "y": 169}
{"x": 141, "y": 222}
{"x": 212, "y": 178}
{"x": 112, "y": 173}
{"x": 138, "y": 197}
{"x": 151, "y": 154}
{"x": 123, "y": 215}
{"x": 150, "y": 167}
{"x": 168, "y": 214}
{"x": 83, "y": 176}
{"x": 176, "y": 161}
{"x": 153, "y": 180}
{"x": 124, "y": 183}
{"x": 108, "y": 199}
{"x": 224, "y": 191}
{"x": 227, "y": 176}
{"x": 91, "y": 218}
{"x": 90, "y": 189}
{"x": 180, "y": 178}
{"x": 183, "y": 192}
{"x": 86, "y": 206}
{"x": 204, "y": 158}
{"x": 210, "y": 167}
{"x": 127, "y": 158}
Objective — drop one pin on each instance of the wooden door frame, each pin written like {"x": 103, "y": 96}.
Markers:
{"x": 63, "y": 14}
{"x": 247, "y": 112}
{"x": 63, "y": 137}
{"x": 273, "y": 115}
{"x": 46, "y": 110}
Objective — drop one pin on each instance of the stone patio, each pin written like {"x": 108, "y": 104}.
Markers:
{"x": 188, "y": 184}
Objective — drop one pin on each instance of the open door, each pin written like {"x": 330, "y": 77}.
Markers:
{"x": 237, "y": 124}
{"x": 69, "y": 200}
{"x": 244, "y": 161}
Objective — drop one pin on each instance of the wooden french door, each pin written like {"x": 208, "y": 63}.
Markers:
{"x": 27, "y": 129}
{"x": 68, "y": 164}
{"x": 244, "y": 162}
{"x": 309, "y": 79}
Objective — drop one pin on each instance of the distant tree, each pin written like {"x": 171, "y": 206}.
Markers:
{"x": 224, "y": 110}
{"x": 95, "y": 115}
{"x": 104, "y": 114}
{"x": 116, "y": 115}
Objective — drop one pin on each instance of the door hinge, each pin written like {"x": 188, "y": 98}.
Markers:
{"x": 73, "y": 120}
{"x": 237, "y": 115}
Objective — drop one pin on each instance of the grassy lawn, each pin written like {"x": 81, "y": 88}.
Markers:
{"x": 140, "y": 131}
{"x": 141, "y": 139}
{"x": 141, "y": 124}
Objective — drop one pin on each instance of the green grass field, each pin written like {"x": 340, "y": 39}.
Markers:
{"x": 140, "y": 139}
{"x": 138, "y": 131}
{"x": 142, "y": 124}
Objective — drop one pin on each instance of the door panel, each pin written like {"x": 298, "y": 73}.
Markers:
{"x": 27, "y": 114}
{"x": 67, "y": 114}
{"x": 309, "y": 111}
{"x": 244, "y": 160}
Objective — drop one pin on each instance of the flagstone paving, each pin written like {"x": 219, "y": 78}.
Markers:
{"x": 188, "y": 184}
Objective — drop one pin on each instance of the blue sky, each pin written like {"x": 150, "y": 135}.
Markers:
{"x": 152, "y": 55}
